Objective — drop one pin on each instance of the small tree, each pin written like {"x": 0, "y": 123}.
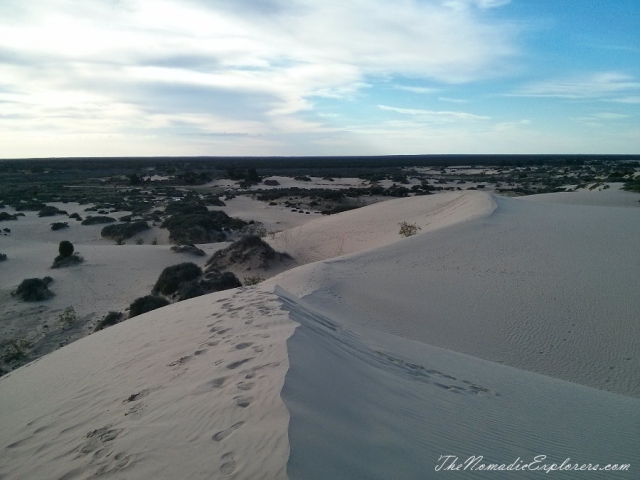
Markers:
{"x": 65, "y": 249}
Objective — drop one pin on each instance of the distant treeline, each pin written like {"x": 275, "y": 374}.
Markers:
{"x": 278, "y": 163}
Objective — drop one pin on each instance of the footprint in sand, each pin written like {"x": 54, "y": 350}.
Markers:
{"x": 245, "y": 386}
{"x": 242, "y": 346}
{"x": 243, "y": 401}
{"x": 239, "y": 363}
{"x": 228, "y": 464}
{"x": 218, "y": 437}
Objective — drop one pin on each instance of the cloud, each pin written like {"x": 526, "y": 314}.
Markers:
{"x": 131, "y": 67}
{"x": 435, "y": 116}
{"x": 452, "y": 100}
{"x": 634, "y": 100}
{"x": 598, "y": 85}
{"x": 421, "y": 90}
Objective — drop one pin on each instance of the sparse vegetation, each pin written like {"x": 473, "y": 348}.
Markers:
{"x": 97, "y": 220}
{"x": 66, "y": 257}
{"x": 3, "y": 257}
{"x": 174, "y": 276}
{"x": 201, "y": 227}
{"x": 50, "y": 211}
{"x": 112, "y": 318}
{"x": 192, "y": 249}
{"x": 65, "y": 249}
{"x": 68, "y": 317}
{"x": 4, "y": 217}
{"x": 254, "y": 280}
{"x": 408, "y": 230}
{"x": 250, "y": 250}
{"x": 34, "y": 289}
{"x": 146, "y": 304}
{"x": 59, "y": 226}
{"x": 15, "y": 349}
{"x": 124, "y": 230}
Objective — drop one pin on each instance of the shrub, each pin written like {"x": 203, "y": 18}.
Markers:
{"x": 216, "y": 281}
{"x": 15, "y": 350}
{"x": 65, "y": 249}
{"x": 68, "y": 317}
{"x": 76, "y": 216}
{"x": 50, "y": 211}
{"x": 59, "y": 226}
{"x": 124, "y": 230}
{"x": 172, "y": 277}
{"x": 4, "y": 216}
{"x": 97, "y": 220}
{"x": 34, "y": 289}
{"x": 3, "y": 257}
{"x": 146, "y": 304}
{"x": 200, "y": 227}
{"x": 407, "y": 230}
{"x": 110, "y": 319}
{"x": 66, "y": 257}
{"x": 255, "y": 280}
{"x": 191, "y": 248}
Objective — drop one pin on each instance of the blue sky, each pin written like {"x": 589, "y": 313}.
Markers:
{"x": 310, "y": 77}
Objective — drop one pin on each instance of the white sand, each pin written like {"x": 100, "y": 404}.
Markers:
{"x": 395, "y": 361}
{"x": 378, "y": 224}
{"x": 188, "y": 391}
{"x": 543, "y": 287}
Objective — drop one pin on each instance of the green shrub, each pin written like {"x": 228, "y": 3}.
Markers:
{"x": 65, "y": 249}
{"x": 216, "y": 281}
{"x": 50, "y": 211}
{"x": 124, "y": 230}
{"x": 97, "y": 220}
{"x": 112, "y": 318}
{"x": 172, "y": 277}
{"x": 146, "y": 304}
{"x": 254, "y": 280}
{"x": 3, "y": 257}
{"x": 15, "y": 349}
{"x": 68, "y": 317}
{"x": 59, "y": 226}
{"x": 34, "y": 289}
{"x": 200, "y": 227}
{"x": 407, "y": 230}
{"x": 4, "y": 216}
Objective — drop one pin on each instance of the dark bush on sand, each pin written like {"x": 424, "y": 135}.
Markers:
{"x": 110, "y": 319}
{"x": 4, "y": 216}
{"x": 66, "y": 257}
{"x": 124, "y": 230}
{"x": 201, "y": 227}
{"x": 50, "y": 211}
{"x": 3, "y": 257}
{"x": 59, "y": 225}
{"x": 172, "y": 277}
{"x": 65, "y": 248}
{"x": 97, "y": 220}
{"x": 34, "y": 289}
{"x": 146, "y": 304}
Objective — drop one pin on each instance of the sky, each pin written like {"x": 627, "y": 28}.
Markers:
{"x": 107, "y": 78}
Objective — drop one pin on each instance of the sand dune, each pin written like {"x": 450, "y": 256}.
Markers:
{"x": 378, "y": 224}
{"x": 368, "y": 365}
{"x": 543, "y": 287}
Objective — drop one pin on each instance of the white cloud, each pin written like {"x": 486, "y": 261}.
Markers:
{"x": 118, "y": 67}
{"x": 420, "y": 90}
{"x": 594, "y": 86}
{"x": 435, "y": 116}
{"x": 452, "y": 100}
